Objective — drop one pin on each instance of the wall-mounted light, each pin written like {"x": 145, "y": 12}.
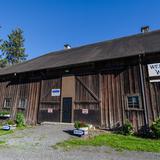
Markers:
{"x": 66, "y": 71}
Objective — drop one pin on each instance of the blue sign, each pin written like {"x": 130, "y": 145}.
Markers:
{"x": 6, "y": 127}
{"x": 55, "y": 92}
{"x": 78, "y": 132}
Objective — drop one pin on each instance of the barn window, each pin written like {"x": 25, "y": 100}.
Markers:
{"x": 22, "y": 103}
{"x": 7, "y": 103}
{"x": 133, "y": 101}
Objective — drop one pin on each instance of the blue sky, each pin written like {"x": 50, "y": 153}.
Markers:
{"x": 49, "y": 24}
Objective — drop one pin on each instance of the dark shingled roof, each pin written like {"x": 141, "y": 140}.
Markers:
{"x": 112, "y": 49}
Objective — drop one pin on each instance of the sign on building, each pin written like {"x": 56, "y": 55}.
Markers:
{"x": 55, "y": 92}
{"x": 50, "y": 110}
{"x": 84, "y": 111}
{"x": 154, "y": 69}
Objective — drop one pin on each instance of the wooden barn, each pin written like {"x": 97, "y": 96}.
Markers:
{"x": 103, "y": 83}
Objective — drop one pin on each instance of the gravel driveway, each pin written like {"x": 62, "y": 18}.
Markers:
{"x": 35, "y": 144}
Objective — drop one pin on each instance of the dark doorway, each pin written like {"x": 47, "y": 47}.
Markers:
{"x": 67, "y": 110}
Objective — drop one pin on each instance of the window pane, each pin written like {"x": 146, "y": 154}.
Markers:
{"x": 22, "y": 103}
{"x": 133, "y": 101}
{"x": 7, "y": 102}
{"x": 130, "y": 100}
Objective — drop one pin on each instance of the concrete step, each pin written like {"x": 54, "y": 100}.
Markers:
{"x": 56, "y": 123}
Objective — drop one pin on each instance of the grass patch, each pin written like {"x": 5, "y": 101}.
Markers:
{"x": 2, "y": 142}
{"x": 3, "y": 132}
{"x": 21, "y": 128}
{"x": 119, "y": 142}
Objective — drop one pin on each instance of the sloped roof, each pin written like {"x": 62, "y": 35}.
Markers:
{"x": 112, "y": 49}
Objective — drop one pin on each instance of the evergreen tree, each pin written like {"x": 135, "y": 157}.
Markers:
{"x": 2, "y": 60}
{"x": 0, "y": 37}
{"x": 13, "y": 50}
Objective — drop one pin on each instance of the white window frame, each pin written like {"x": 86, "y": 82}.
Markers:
{"x": 133, "y": 95}
{"x": 5, "y": 102}
{"x": 20, "y": 103}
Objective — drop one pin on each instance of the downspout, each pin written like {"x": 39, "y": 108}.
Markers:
{"x": 143, "y": 90}
{"x": 39, "y": 102}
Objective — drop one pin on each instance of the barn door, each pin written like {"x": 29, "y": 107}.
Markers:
{"x": 87, "y": 101}
{"x": 50, "y": 100}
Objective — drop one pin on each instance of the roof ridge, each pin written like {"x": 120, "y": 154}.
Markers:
{"x": 96, "y": 43}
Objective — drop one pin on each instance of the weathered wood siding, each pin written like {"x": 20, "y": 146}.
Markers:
{"x": 17, "y": 89}
{"x": 116, "y": 85}
{"x": 49, "y": 102}
{"x": 87, "y": 97}
{"x": 102, "y": 91}
{"x": 8, "y": 90}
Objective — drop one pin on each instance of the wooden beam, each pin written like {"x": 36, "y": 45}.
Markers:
{"x": 50, "y": 102}
{"x": 100, "y": 97}
{"x": 87, "y": 102}
{"x": 143, "y": 90}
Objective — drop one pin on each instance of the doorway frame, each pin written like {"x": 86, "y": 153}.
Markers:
{"x": 71, "y": 94}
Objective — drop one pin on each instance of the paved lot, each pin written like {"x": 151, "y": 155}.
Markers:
{"x": 35, "y": 144}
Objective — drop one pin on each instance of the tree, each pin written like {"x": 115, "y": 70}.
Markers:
{"x": 0, "y": 37}
{"x": 2, "y": 60}
{"x": 13, "y": 50}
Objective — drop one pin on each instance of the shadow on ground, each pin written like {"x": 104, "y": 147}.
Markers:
{"x": 70, "y": 132}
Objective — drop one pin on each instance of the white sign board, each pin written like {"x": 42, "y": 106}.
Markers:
{"x": 154, "y": 69}
{"x": 50, "y": 110}
{"x": 155, "y": 80}
{"x": 55, "y": 92}
{"x": 84, "y": 111}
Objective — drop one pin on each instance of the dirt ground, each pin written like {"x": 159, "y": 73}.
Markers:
{"x": 36, "y": 144}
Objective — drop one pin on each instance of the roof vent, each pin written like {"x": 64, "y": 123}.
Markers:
{"x": 67, "y": 46}
{"x": 144, "y": 29}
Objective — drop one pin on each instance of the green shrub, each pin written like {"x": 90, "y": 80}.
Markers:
{"x": 79, "y": 124}
{"x": 145, "y": 132}
{"x": 2, "y": 113}
{"x": 10, "y": 122}
{"x": 155, "y": 127}
{"x": 20, "y": 120}
{"x": 127, "y": 128}
{"x": 76, "y": 124}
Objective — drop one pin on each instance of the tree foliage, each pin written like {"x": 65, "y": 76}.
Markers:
{"x": 2, "y": 60}
{"x": 13, "y": 50}
{"x": 0, "y": 37}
